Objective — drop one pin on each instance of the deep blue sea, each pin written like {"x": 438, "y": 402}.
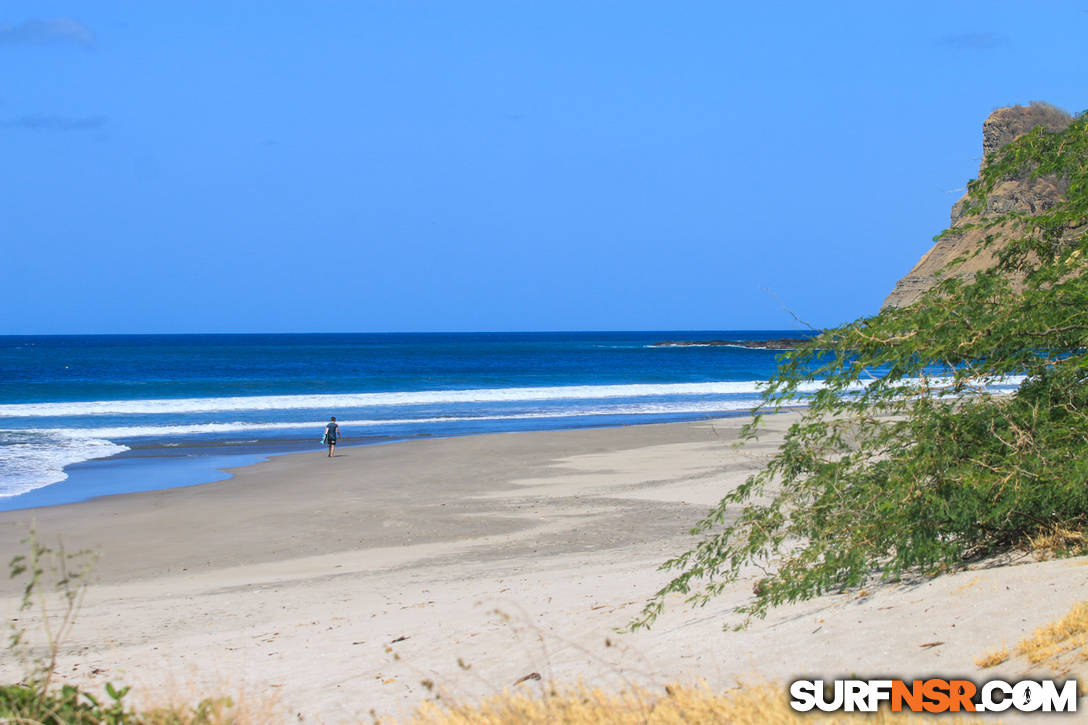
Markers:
{"x": 85, "y": 416}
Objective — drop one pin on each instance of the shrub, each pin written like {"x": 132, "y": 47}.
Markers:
{"x": 905, "y": 459}
{"x": 64, "y": 706}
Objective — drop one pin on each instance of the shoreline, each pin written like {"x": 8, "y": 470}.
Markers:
{"x": 496, "y": 459}
{"x": 277, "y": 391}
{"x": 340, "y": 586}
{"x": 195, "y": 464}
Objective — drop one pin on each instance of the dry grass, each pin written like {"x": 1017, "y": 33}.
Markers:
{"x": 1057, "y": 541}
{"x": 994, "y": 658}
{"x": 765, "y": 704}
{"x": 1061, "y": 644}
{"x": 221, "y": 711}
{"x": 171, "y": 706}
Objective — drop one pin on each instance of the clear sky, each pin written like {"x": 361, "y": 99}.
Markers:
{"x": 413, "y": 166}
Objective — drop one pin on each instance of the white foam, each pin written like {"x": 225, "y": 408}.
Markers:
{"x": 362, "y": 400}
{"x": 420, "y": 397}
{"x": 148, "y": 431}
{"x": 32, "y": 459}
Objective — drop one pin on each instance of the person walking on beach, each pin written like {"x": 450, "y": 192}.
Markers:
{"x": 332, "y": 432}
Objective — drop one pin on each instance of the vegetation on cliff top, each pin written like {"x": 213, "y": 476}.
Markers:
{"x": 904, "y": 461}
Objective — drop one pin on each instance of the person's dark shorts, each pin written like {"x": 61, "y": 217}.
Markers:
{"x": 330, "y": 440}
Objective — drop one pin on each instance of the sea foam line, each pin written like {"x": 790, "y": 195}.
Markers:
{"x": 332, "y": 401}
{"x": 33, "y": 459}
{"x": 241, "y": 426}
{"x": 662, "y": 408}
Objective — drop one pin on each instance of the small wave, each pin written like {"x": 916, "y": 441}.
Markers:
{"x": 659, "y": 345}
{"x": 362, "y": 400}
{"x": 33, "y": 459}
{"x": 173, "y": 406}
{"x": 127, "y": 432}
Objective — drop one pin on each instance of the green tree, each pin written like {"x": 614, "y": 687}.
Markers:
{"x": 904, "y": 460}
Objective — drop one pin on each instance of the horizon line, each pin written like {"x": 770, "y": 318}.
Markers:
{"x": 406, "y": 332}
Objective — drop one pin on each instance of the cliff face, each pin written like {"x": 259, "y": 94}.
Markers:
{"x": 1025, "y": 194}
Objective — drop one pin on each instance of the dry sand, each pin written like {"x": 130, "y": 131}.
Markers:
{"x": 344, "y": 585}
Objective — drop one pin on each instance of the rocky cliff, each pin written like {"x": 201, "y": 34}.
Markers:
{"x": 1028, "y": 194}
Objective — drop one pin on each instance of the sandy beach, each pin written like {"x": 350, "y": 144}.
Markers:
{"x": 458, "y": 566}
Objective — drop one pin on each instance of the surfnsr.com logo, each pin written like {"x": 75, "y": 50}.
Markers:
{"x": 934, "y": 695}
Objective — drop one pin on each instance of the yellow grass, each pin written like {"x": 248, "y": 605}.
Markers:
{"x": 169, "y": 704}
{"x": 994, "y": 658}
{"x": 1059, "y": 644}
{"x": 220, "y": 711}
{"x": 1057, "y": 541}
{"x": 765, "y": 704}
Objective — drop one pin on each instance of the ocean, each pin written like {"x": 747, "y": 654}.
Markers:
{"x": 87, "y": 416}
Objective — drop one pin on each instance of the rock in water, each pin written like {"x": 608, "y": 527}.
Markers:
{"x": 778, "y": 343}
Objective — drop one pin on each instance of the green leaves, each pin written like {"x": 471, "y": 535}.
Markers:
{"x": 67, "y": 705}
{"x": 904, "y": 460}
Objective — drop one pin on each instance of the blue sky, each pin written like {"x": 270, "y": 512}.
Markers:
{"x": 413, "y": 166}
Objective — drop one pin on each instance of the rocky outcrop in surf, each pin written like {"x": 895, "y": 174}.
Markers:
{"x": 780, "y": 343}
